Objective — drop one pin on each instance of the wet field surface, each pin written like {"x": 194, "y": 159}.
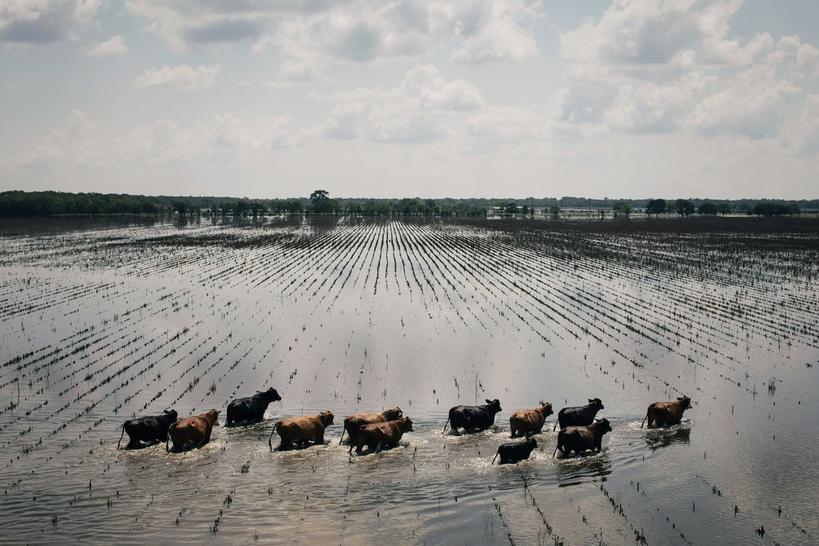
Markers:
{"x": 104, "y": 320}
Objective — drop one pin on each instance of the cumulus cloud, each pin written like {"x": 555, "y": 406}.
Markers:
{"x": 113, "y": 46}
{"x": 651, "y": 67}
{"x": 44, "y": 21}
{"x": 182, "y": 76}
{"x": 353, "y": 30}
{"x": 421, "y": 109}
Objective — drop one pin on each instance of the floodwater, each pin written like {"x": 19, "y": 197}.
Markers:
{"x": 104, "y": 320}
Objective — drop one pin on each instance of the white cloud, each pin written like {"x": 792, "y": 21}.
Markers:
{"x": 653, "y": 67}
{"x": 352, "y": 30}
{"x": 505, "y": 33}
{"x": 113, "y": 46}
{"x": 182, "y": 76}
{"x": 44, "y": 21}
{"x": 422, "y": 109}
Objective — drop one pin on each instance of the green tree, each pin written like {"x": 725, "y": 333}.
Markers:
{"x": 684, "y": 207}
{"x": 656, "y": 207}
{"x": 321, "y": 203}
{"x": 621, "y": 207}
{"x": 708, "y": 208}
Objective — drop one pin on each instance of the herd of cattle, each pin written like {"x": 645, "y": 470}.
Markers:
{"x": 579, "y": 430}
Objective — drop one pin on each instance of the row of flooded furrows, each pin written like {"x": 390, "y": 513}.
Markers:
{"x": 725, "y": 270}
{"x": 423, "y": 249}
{"x": 795, "y": 256}
{"x": 796, "y": 324}
{"x": 125, "y": 369}
{"x": 710, "y": 347}
{"x": 68, "y": 250}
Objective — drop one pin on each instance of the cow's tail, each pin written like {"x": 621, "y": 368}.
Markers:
{"x": 343, "y": 430}
{"x": 121, "y": 435}
{"x": 555, "y": 452}
{"x": 555, "y": 427}
{"x": 495, "y": 457}
{"x": 445, "y": 425}
{"x": 644, "y": 419}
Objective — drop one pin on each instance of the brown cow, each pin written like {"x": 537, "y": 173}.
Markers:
{"x": 191, "y": 432}
{"x": 580, "y": 439}
{"x": 354, "y": 422}
{"x": 380, "y": 435}
{"x": 529, "y": 420}
{"x": 301, "y": 430}
{"x": 665, "y": 414}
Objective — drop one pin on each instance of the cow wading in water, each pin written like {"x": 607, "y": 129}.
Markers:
{"x": 529, "y": 420}
{"x": 148, "y": 430}
{"x": 300, "y": 431}
{"x": 377, "y": 436}
{"x": 192, "y": 432}
{"x": 473, "y": 418}
{"x": 354, "y": 422}
{"x": 666, "y": 414}
{"x": 514, "y": 452}
{"x": 250, "y": 410}
{"x": 578, "y": 416}
{"x": 580, "y": 439}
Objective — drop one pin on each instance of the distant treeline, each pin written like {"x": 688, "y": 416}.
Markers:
{"x": 47, "y": 203}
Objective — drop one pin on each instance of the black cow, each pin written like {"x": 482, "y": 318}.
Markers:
{"x": 514, "y": 452}
{"x": 246, "y": 411}
{"x": 579, "y": 416}
{"x": 473, "y": 418}
{"x": 582, "y": 438}
{"x": 148, "y": 430}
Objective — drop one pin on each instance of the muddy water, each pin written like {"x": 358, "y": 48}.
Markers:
{"x": 102, "y": 322}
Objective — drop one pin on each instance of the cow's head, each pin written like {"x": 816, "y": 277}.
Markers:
{"x": 326, "y": 418}
{"x": 494, "y": 405}
{"x": 684, "y": 401}
{"x": 596, "y": 403}
{"x": 271, "y": 395}
{"x": 531, "y": 443}
{"x": 406, "y": 424}
{"x": 213, "y": 417}
{"x": 546, "y": 408}
{"x": 170, "y": 415}
{"x": 603, "y": 425}
{"x": 393, "y": 414}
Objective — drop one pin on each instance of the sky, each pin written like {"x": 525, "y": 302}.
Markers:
{"x": 429, "y": 98}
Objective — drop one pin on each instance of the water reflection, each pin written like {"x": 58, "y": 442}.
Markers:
{"x": 679, "y": 434}
{"x": 580, "y": 469}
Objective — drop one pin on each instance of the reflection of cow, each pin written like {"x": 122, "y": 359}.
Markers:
{"x": 301, "y": 430}
{"x": 380, "y": 435}
{"x": 148, "y": 430}
{"x": 354, "y": 422}
{"x": 665, "y": 414}
{"x": 580, "y": 439}
{"x": 513, "y": 452}
{"x": 246, "y": 411}
{"x": 579, "y": 416}
{"x": 473, "y": 418}
{"x": 529, "y": 420}
{"x": 192, "y": 432}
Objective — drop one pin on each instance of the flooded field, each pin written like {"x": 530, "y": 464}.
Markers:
{"x": 105, "y": 320}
